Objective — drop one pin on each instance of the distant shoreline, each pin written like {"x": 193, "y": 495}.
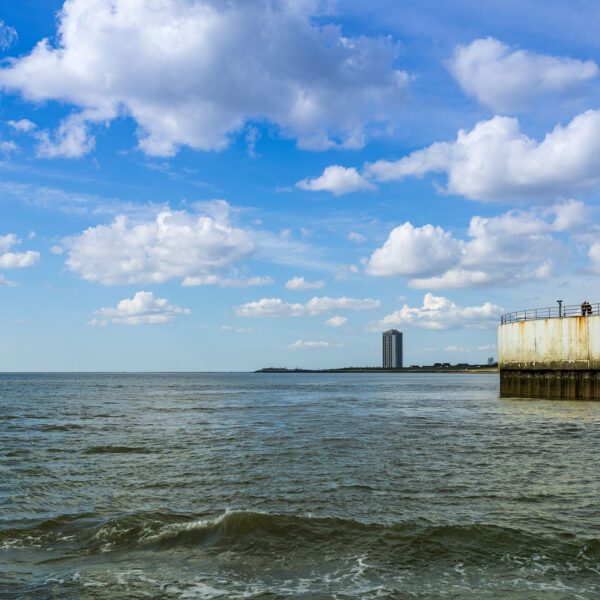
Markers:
{"x": 470, "y": 369}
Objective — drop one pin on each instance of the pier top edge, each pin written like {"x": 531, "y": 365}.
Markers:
{"x": 560, "y": 311}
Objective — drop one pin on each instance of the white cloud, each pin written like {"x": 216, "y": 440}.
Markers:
{"x": 454, "y": 348}
{"x": 302, "y": 345}
{"x": 6, "y": 283}
{"x": 143, "y": 308}
{"x": 272, "y": 248}
{"x": 236, "y": 329}
{"x": 359, "y": 238}
{"x": 23, "y": 125}
{"x": 508, "y": 80}
{"x": 173, "y": 244}
{"x": 71, "y": 140}
{"x": 56, "y": 199}
{"x": 495, "y": 161}
{"x": 513, "y": 247}
{"x": 275, "y": 307}
{"x": 336, "y": 179}
{"x": 413, "y": 250}
{"x": 7, "y": 147}
{"x": 8, "y": 36}
{"x": 196, "y": 73}
{"x": 15, "y": 260}
{"x": 299, "y": 283}
{"x": 317, "y": 306}
{"x": 227, "y": 281}
{"x": 440, "y": 313}
{"x": 594, "y": 254}
{"x": 454, "y": 279}
{"x": 270, "y": 307}
{"x": 487, "y": 347}
{"x": 8, "y": 240}
{"x": 345, "y": 271}
{"x": 336, "y": 321}
{"x": 571, "y": 216}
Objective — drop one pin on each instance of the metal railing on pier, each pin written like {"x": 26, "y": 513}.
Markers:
{"x": 552, "y": 312}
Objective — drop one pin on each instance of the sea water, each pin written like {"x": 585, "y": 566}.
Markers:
{"x": 118, "y": 486}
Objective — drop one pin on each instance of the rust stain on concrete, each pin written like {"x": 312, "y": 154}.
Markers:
{"x": 558, "y": 349}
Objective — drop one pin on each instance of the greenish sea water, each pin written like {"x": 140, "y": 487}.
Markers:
{"x": 306, "y": 486}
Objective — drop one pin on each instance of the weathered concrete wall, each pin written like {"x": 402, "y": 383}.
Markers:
{"x": 550, "y": 358}
{"x": 580, "y": 385}
{"x": 571, "y": 343}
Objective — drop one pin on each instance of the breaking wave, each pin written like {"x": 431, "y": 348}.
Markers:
{"x": 251, "y": 531}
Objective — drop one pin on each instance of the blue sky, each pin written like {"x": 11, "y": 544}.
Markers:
{"x": 200, "y": 185}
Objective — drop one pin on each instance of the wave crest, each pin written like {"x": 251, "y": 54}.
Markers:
{"x": 245, "y": 531}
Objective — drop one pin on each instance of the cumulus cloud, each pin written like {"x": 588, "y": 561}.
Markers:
{"x": 8, "y": 240}
{"x": 336, "y": 179}
{"x": 299, "y": 283}
{"x": 509, "y": 80}
{"x": 513, "y": 247}
{"x": 440, "y": 313}
{"x": 15, "y": 260}
{"x": 143, "y": 308}
{"x": 302, "y": 345}
{"x": 8, "y": 36}
{"x": 275, "y": 307}
{"x": 270, "y": 307}
{"x": 198, "y": 247}
{"x": 572, "y": 215}
{"x": 336, "y": 321}
{"x": 496, "y": 161}
{"x": 196, "y": 73}
{"x": 413, "y": 250}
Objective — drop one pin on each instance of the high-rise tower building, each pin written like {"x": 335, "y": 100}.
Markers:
{"x": 392, "y": 348}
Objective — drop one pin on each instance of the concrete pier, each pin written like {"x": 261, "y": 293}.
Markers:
{"x": 555, "y": 357}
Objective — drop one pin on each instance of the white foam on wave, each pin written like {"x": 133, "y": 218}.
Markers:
{"x": 29, "y": 542}
{"x": 173, "y": 529}
{"x": 204, "y": 590}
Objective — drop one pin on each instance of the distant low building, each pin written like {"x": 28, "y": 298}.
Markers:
{"x": 392, "y": 349}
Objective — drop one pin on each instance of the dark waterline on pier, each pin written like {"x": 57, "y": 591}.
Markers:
{"x": 298, "y": 486}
